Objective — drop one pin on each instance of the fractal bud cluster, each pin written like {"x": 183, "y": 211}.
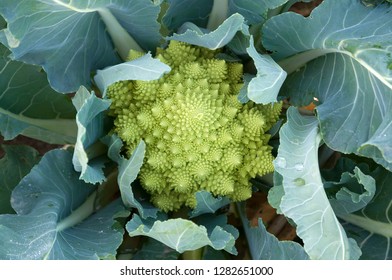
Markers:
{"x": 198, "y": 135}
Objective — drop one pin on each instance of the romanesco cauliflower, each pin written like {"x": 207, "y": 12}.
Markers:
{"x": 198, "y": 135}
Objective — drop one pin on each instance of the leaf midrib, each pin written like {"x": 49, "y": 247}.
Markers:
{"x": 368, "y": 224}
{"x": 295, "y": 62}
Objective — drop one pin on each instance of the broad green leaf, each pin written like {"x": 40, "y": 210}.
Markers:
{"x": 211, "y": 254}
{"x": 218, "y": 223}
{"x": 14, "y": 165}
{"x": 128, "y": 171}
{"x": 371, "y": 226}
{"x": 264, "y": 88}
{"x": 180, "y": 11}
{"x": 347, "y": 97}
{"x": 144, "y": 68}
{"x": 29, "y": 106}
{"x": 350, "y": 75}
{"x": 198, "y": 11}
{"x": 154, "y": 250}
{"x": 206, "y": 203}
{"x": 304, "y": 200}
{"x": 365, "y": 36}
{"x": 354, "y": 192}
{"x": 239, "y": 44}
{"x": 3, "y": 23}
{"x": 91, "y": 121}
{"x": 243, "y": 95}
{"x": 70, "y": 40}
{"x": 55, "y": 216}
{"x": 180, "y": 234}
{"x": 192, "y": 34}
{"x": 276, "y": 193}
{"x": 254, "y": 12}
{"x": 265, "y": 246}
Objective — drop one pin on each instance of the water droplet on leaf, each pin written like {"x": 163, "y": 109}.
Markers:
{"x": 280, "y": 162}
{"x": 299, "y": 166}
{"x": 299, "y": 182}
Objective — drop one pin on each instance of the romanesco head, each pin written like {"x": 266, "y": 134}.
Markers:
{"x": 198, "y": 135}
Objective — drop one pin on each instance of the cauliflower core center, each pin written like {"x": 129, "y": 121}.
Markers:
{"x": 198, "y": 135}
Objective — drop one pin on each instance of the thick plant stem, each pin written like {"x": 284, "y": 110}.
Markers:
{"x": 122, "y": 40}
{"x": 193, "y": 255}
{"x": 219, "y": 13}
{"x": 295, "y": 62}
{"x": 81, "y": 213}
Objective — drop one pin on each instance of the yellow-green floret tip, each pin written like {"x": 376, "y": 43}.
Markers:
{"x": 198, "y": 135}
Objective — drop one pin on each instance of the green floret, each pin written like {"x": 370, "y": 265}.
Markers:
{"x": 198, "y": 135}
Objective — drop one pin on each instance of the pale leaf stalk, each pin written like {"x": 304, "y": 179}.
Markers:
{"x": 295, "y": 62}
{"x": 66, "y": 127}
{"x": 219, "y": 12}
{"x": 83, "y": 212}
{"x": 122, "y": 40}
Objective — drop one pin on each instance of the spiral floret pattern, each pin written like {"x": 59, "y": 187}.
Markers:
{"x": 198, "y": 135}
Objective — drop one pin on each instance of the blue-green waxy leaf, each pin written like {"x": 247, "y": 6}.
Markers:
{"x": 217, "y": 228}
{"x": 155, "y": 250}
{"x": 305, "y": 201}
{"x": 14, "y": 165}
{"x": 342, "y": 56}
{"x": 255, "y": 12}
{"x": 91, "y": 121}
{"x": 265, "y": 246}
{"x": 70, "y": 40}
{"x": 347, "y": 27}
{"x": 127, "y": 173}
{"x": 180, "y": 11}
{"x": 198, "y": 11}
{"x": 144, "y": 68}
{"x": 265, "y": 87}
{"x": 276, "y": 193}
{"x": 356, "y": 191}
{"x": 371, "y": 226}
{"x": 55, "y": 216}
{"x": 29, "y": 106}
{"x": 180, "y": 234}
{"x": 243, "y": 95}
{"x": 206, "y": 203}
{"x": 192, "y": 34}
{"x": 347, "y": 97}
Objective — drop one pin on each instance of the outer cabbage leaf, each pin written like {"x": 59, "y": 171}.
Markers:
{"x": 144, "y": 68}
{"x": 192, "y": 34}
{"x": 55, "y": 216}
{"x": 355, "y": 114}
{"x": 29, "y": 106}
{"x": 91, "y": 121}
{"x": 207, "y": 203}
{"x": 354, "y": 192}
{"x": 304, "y": 200}
{"x": 255, "y": 12}
{"x": 69, "y": 39}
{"x": 347, "y": 27}
{"x": 371, "y": 226}
{"x": 197, "y": 11}
{"x": 14, "y": 165}
{"x": 154, "y": 250}
{"x": 264, "y": 88}
{"x": 182, "y": 235}
{"x": 180, "y": 11}
{"x": 131, "y": 195}
{"x": 352, "y": 83}
{"x": 218, "y": 223}
{"x": 265, "y": 246}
